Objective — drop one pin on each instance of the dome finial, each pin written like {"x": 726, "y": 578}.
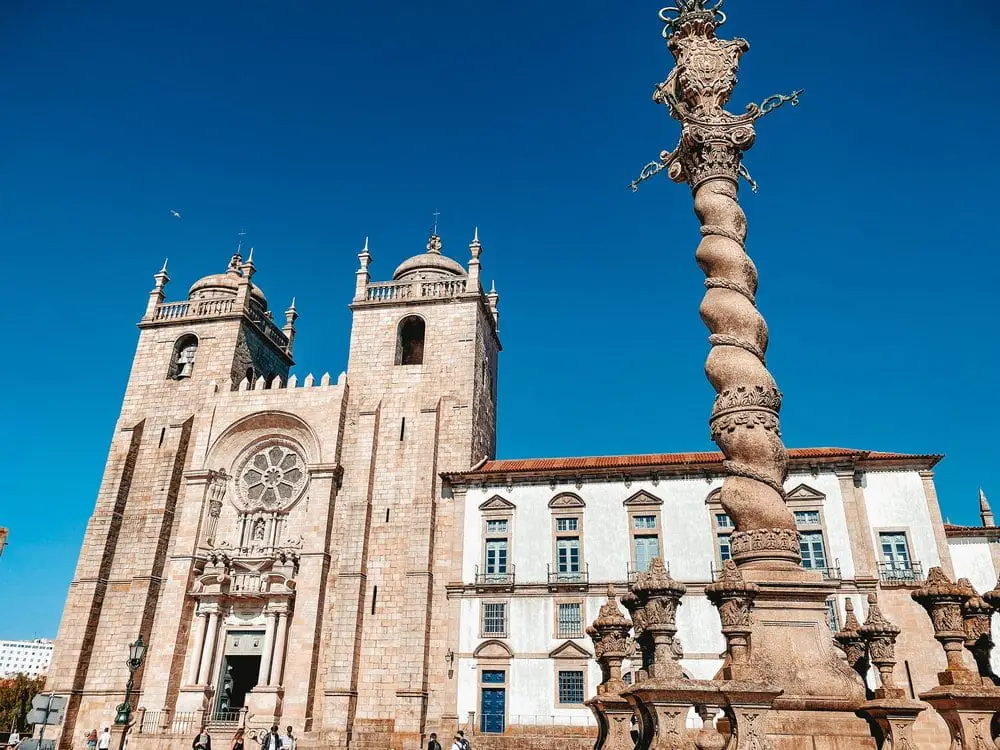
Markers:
{"x": 365, "y": 249}
{"x": 164, "y": 270}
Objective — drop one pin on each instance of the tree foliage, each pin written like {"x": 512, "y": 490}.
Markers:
{"x": 15, "y": 700}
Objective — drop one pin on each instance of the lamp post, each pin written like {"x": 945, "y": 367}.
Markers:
{"x": 136, "y": 655}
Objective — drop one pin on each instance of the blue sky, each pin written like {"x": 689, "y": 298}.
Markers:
{"x": 314, "y": 124}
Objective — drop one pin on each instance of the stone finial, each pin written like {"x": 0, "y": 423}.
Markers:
{"x": 362, "y": 276}
{"x": 849, "y": 639}
{"x": 475, "y": 247}
{"x": 291, "y": 315}
{"x": 985, "y": 512}
{"x": 609, "y": 632}
{"x": 977, "y": 616}
{"x": 944, "y": 601}
{"x": 659, "y": 596}
{"x": 434, "y": 244}
{"x": 880, "y": 636}
{"x": 733, "y": 597}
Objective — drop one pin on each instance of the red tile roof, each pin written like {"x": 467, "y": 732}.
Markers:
{"x": 708, "y": 461}
{"x": 955, "y": 531}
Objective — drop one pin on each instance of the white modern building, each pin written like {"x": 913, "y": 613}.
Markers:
{"x": 544, "y": 539}
{"x": 25, "y": 657}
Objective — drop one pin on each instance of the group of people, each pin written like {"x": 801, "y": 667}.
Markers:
{"x": 460, "y": 743}
{"x": 101, "y": 742}
{"x": 270, "y": 741}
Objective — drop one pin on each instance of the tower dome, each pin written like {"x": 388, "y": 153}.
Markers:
{"x": 221, "y": 285}
{"x": 429, "y": 265}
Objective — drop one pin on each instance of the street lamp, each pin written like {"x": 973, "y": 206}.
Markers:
{"x": 136, "y": 653}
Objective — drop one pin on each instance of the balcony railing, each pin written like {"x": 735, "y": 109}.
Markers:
{"x": 402, "y": 291}
{"x": 495, "y": 580}
{"x": 204, "y": 308}
{"x": 901, "y": 573}
{"x": 569, "y": 579}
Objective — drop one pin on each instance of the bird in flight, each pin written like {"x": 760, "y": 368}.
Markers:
{"x": 176, "y": 214}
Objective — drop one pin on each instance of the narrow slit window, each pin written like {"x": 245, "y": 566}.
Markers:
{"x": 374, "y": 598}
{"x": 163, "y": 434}
{"x": 402, "y": 429}
{"x": 387, "y": 515}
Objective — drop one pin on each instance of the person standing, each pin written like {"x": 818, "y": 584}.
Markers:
{"x": 271, "y": 740}
{"x": 466, "y": 745}
{"x": 457, "y": 744}
{"x": 203, "y": 741}
{"x": 288, "y": 739}
{"x": 238, "y": 740}
{"x": 104, "y": 741}
{"x": 434, "y": 744}
{"x": 92, "y": 740}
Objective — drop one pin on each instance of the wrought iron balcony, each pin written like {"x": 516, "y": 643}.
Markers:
{"x": 901, "y": 573}
{"x": 495, "y": 580}
{"x": 569, "y": 579}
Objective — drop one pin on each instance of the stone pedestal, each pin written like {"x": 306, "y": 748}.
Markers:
{"x": 894, "y": 718}
{"x": 791, "y": 642}
{"x": 264, "y": 702}
{"x": 614, "y": 722}
{"x": 968, "y": 710}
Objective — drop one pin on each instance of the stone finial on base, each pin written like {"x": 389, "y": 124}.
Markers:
{"x": 609, "y": 632}
{"x": 849, "y": 639}
{"x": 943, "y": 601}
{"x": 880, "y": 636}
{"x": 734, "y": 599}
{"x": 658, "y": 597}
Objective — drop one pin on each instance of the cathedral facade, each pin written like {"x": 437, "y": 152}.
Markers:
{"x": 348, "y": 557}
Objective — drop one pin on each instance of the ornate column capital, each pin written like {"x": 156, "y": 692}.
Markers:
{"x": 944, "y": 601}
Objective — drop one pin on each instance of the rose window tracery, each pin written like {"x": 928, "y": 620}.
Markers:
{"x": 273, "y": 477}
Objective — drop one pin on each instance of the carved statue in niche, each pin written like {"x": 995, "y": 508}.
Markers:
{"x": 258, "y": 530}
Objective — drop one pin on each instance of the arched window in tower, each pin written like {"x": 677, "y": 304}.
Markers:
{"x": 410, "y": 343}
{"x": 182, "y": 358}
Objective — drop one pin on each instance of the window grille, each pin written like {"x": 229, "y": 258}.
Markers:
{"x": 570, "y": 686}
{"x": 570, "y": 620}
{"x": 723, "y": 521}
{"x": 494, "y": 618}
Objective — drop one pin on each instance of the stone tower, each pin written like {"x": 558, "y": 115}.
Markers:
{"x": 284, "y": 547}
{"x": 186, "y": 352}
{"x": 422, "y": 373}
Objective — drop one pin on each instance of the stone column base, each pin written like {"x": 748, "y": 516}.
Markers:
{"x": 894, "y": 718}
{"x": 264, "y": 704}
{"x": 968, "y": 710}
{"x": 614, "y": 722}
{"x": 792, "y": 646}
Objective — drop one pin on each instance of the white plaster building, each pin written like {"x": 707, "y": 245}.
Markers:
{"x": 544, "y": 538}
{"x": 25, "y": 657}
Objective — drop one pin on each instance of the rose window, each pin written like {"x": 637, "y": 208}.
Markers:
{"x": 274, "y": 476}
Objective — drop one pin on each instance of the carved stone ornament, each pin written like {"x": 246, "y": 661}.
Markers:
{"x": 744, "y": 421}
{"x": 658, "y": 597}
{"x": 943, "y": 601}
{"x": 850, "y": 641}
{"x": 271, "y": 476}
{"x": 734, "y": 597}
{"x": 609, "y": 632}
{"x": 880, "y": 635}
{"x": 977, "y": 616}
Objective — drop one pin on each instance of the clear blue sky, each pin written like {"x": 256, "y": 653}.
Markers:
{"x": 314, "y": 124}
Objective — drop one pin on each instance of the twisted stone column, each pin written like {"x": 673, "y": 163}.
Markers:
{"x": 744, "y": 421}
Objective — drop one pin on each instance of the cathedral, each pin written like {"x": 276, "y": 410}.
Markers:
{"x": 347, "y": 555}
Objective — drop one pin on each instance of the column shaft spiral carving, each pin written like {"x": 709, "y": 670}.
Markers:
{"x": 744, "y": 421}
